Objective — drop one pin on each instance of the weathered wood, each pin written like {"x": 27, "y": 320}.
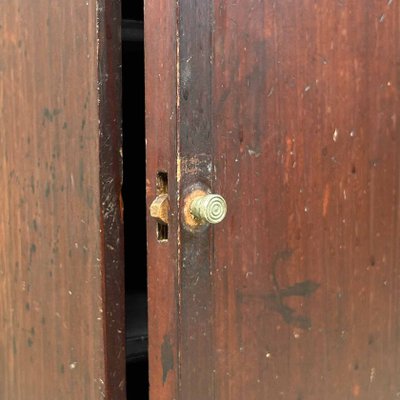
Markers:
{"x": 195, "y": 148}
{"x": 160, "y": 57}
{"x": 111, "y": 205}
{"x": 307, "y": 144}
{"x": 61, "y": 304}
{"x": 289, "y": 110}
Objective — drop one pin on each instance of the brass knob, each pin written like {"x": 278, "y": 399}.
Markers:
{"x": 210, "y": 208}
{"x": 159, "y": 209}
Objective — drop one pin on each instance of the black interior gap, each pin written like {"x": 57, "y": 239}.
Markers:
{"x": 133, "y": 192}
{"x": 132, "y": 31}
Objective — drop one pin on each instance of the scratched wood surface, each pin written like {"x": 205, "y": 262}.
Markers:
{"x": 61, "y": 282}
{"x": 163, "y": 292}
{"x": 307, "y": 153}
{"x": 289, "y": 109}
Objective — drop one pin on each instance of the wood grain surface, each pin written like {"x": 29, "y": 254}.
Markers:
{"x": 61, "y": 276}
{"x": 307, "y": 153}
{"x": 289, "y": 109}
{"x": 161, "y": 122}
{"x": 195, "y": 149}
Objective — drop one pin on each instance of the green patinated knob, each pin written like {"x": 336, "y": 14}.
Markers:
{"x": 210, "y": 208}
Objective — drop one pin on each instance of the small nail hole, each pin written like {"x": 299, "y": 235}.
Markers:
{"x": 372, "y": 261}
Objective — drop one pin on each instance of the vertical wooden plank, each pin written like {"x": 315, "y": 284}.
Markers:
{"x": 288, "y": 109}
{"x": 161, "y": 71}
{"x": 112, "y": 244}
{"x": 195, "y": 160}
{"x": 56, "y": 274}
{"x": 307, "y": 274}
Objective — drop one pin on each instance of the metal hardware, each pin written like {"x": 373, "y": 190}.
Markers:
{"x": 159, "y": 208}
{"x": 209, "y": 208}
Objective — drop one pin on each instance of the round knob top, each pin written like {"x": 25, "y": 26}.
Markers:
{"x": 210, "y": 208}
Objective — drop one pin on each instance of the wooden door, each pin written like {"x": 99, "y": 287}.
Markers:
{"x": 61, "y": 269}
{"x": 289, "y": 109}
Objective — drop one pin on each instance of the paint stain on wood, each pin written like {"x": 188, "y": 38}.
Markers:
{"x": 50, "y": 114}
{"x": 167, "y": 357}
{"x": 276, "y": 300}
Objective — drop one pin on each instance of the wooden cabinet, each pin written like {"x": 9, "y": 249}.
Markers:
{"x": 61, "y": 266}
{"x": 289, "y": 110}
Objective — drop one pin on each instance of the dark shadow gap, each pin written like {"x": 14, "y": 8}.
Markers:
{"x": 133, "y": 192}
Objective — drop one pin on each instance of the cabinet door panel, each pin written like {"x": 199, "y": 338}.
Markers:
{"x": 61, "y": 272}
{"x": 289, "y": 110}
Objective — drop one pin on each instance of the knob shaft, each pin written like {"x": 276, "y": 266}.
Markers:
{"x": 210, "y": 208}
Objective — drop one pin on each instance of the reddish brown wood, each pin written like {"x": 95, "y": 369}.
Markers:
{"x": 307, "y": 153}
{"x": 61, "y": 303}
{"x": 195, "y": 147}
{"x": 161, "y": 71}
{"x": 295, "y": 105}
{"x": 111, "y": 218}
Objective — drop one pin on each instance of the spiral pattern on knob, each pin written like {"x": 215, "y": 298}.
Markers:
{"x": 214, "y": 208}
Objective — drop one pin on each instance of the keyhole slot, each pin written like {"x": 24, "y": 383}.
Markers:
{"x": 162, "y": 189}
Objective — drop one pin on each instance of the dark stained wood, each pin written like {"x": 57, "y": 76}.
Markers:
{"x": 307, "y": 153}
{"x": 195, "y": 147}
{"x": 61, "y": 300}
{"x": 161, "y": 71}
{"x": 111, "y": 218}
{"x": 289, "y": 109}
